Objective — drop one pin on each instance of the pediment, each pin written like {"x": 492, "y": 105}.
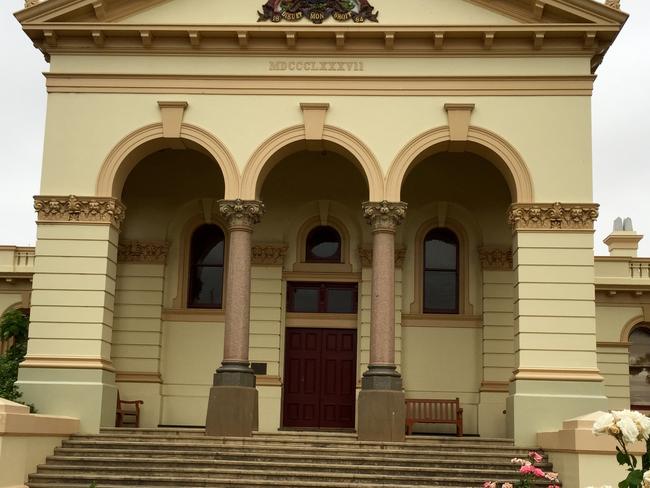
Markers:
{"x": 392, "y": 12}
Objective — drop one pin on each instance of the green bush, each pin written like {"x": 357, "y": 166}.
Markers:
{"x": 13, "y": 325}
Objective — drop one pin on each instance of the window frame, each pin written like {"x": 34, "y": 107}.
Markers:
{"x": 323, "y": 287}
{"x": 338, "y": 259}
{"x": 636, "y": 406}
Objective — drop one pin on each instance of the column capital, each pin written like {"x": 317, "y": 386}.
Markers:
{"x": 553, "y": 216}
{"x": 241, "y": 214}
{"x": 73, "y": 209}
{"x": 384, "y": 216}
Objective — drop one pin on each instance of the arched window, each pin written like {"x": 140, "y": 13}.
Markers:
{"x": 440, "y": 273}
{"x": 323, "y": 245}
{"x": 206, "y": 267}
{"x": 640, "y": 368}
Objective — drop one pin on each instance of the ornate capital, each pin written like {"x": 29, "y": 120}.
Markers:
{"x": 365, "y": 255}
{"x": 495, "y": 258}
{"x": 148, "y": 252}
{"x": 241, "y": 214}
{"x": 553, "y": 216}
{"x": 269, "y": 254}
{"x": 95, "y": 210}
{"x": 384, "y": 216}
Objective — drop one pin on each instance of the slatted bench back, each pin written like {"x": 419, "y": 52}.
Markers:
{"x": 434, "y": 412}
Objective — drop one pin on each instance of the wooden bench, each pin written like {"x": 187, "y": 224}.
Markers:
{"x": 420, "y": 411}
{"x": 132, "y": 411}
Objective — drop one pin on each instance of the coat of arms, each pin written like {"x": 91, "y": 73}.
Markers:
{"x": 318, "y": 10}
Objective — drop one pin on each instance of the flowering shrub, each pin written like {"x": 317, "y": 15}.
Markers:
{"x": 628, "y": 427}
{"x": 529, "y": 473}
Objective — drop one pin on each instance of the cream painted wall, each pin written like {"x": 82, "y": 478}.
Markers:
{"x": 566, "y": 146}
{"x": 408, "y": 12}
{"x": 373, "y": 66}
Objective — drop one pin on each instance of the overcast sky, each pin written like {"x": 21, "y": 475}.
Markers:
{"x": 621, "y": 128}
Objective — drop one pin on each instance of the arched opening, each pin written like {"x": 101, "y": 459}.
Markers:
{"x": 154, "y": 329}
{"x": 458, "y": 203}
{"x": 639, "y": 348}
{"x": 313, "y": 205}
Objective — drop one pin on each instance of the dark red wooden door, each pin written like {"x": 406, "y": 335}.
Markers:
{"x": 320, "y": 378}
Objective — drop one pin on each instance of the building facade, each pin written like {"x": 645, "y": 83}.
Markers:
{"x": 333, "y": 208}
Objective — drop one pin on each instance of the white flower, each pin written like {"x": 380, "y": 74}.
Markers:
{"x": 646, "y": 479}
{"x": 629, "y": 430}
{"x": 602, "y": 426}
{"x": 643, "y": 424}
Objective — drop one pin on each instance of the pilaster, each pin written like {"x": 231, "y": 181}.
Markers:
{"x": 556, "y": 373}
{"x": 68, "y": 368}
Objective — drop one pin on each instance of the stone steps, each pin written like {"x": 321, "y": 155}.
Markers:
{"x": 149, "y": 458}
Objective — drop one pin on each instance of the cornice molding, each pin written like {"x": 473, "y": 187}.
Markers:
{"x": 268, "y": 254}
{"x": 553, "y": 216}
{"x": 495, "y": 258}
{"x": 577, "y": 39}
{"x": 73, "y": 209}
{"x": 147, "y": 252}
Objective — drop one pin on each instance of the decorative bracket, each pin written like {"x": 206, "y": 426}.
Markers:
{"x": 459, "y": 116}
{"x": 314, "y": 119}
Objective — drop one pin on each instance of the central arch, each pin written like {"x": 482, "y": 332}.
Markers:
{"x": 480, "y": 141}
{"x": 281, "y": 144}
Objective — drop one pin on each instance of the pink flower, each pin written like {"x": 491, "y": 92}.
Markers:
{"x": 526, "y": 469}
{"x": 553, "y": 486}
{"x": 489, "y": 484}
{"x": 535, "y": 456}
{"x": 538, "y": 473}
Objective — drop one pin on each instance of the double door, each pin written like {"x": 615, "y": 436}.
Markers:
{"x": 320, "y": 378}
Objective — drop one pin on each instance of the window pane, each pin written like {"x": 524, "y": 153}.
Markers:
{"x": 640, "y": 366}
{"x": 440, "y": 250}
{"x": 207, "y": 246}
{"x": 306, "y": 300}
{"x": 323, "y": 244}
{"x": 440, "y": 291}
{"x": 207, "y": 287}
{"x": 342, "y": 300}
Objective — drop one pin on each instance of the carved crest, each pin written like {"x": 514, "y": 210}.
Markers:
{"x": 318, "y": 11}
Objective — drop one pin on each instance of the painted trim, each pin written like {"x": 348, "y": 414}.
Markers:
{"x": 322, "y": 320}
{"x": 283, "y": 143}
{"x": 548, "y": 374}
{"x": 148, "y": 139}
{"x": 193, "y": 315}
{"x": 494, "y": 387}
{"x": 67, "y": 362}
{"x": 351, "y": 85}
{"x": 482, "y": 142}
{"x": 136, "y": 377}
{"x": 443, "y": 320}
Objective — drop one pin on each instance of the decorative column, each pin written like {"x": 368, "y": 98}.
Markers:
{"x": 381, "y": 401}
{"x": 233, "y": 404}
{"x": 556, "y": 374}
{"x": 68, "y": 369}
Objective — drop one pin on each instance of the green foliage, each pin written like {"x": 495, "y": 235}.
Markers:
{"x": 13, "y": 325}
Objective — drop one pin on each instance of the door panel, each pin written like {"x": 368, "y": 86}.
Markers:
{"x": 320, "y": 378}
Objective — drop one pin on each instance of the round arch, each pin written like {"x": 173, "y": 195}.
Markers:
{"x": 149, "y": 139}
{"x": 631, "y": 326}
{"x": 282, "y": 144}
{"x": 480, "y": 141}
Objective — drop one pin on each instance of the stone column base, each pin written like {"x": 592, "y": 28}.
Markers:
{"x": 232, "y": 411}
{"x": 382, "y": 415}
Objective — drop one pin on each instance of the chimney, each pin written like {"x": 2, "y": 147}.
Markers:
{"x": 623, "y": 241}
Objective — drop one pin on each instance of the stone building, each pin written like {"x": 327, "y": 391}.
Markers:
{"x": 335, "y": 210}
